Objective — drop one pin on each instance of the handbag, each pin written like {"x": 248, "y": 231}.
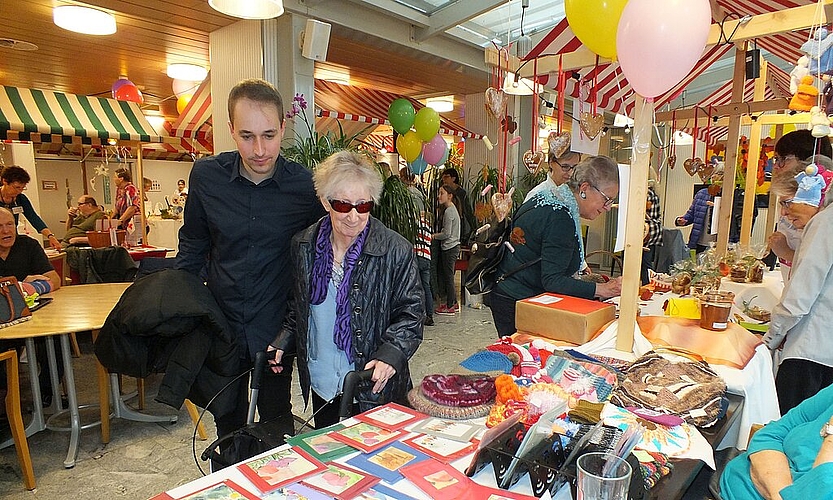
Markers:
{"x": 487, "y": 251}
{"x": 13, "y": 307}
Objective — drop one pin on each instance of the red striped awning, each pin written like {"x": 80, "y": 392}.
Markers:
{"x": 197, "y": 113}
{"x": 370, "y": 106}
{"x": 784, "y": 45}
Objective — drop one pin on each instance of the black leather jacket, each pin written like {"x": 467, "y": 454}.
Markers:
{"x": 386, "y": 301}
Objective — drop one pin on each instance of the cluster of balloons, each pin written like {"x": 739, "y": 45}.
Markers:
{"x": 125, "y": 90}
{"x": 184, "y": 92}
{"x": 423, "y": 145}
{"x": 657, "y": 43}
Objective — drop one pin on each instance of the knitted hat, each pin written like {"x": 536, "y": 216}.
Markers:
{"x": 487, "y": 361}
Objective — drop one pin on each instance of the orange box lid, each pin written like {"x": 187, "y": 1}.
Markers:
{"x": 567, "y": 303}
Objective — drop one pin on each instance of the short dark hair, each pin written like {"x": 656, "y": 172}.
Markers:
{"x": 803, "y": 145}
{"x": 453, "y": 173}
{"x": 124, "y": 174}
{"x": 256, "y": 90}
{"x": 181, "y": 181}
{"x": 13, "y": 173}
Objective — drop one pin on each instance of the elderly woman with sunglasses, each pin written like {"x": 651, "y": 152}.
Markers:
{"x": 357, "y": 301}
{"x": 548, "y": 227}
{"x": 560, "y": 170}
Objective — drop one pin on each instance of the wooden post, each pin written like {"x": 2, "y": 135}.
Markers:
{"x": 752, "y": 163}
{"x": 637, "y": 194}
{"x": 772, "y": 209}
{"x": 732, "y": 142}
{"x": 140, "y": 173}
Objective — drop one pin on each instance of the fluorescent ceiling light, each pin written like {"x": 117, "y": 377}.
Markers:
{"x": 621, "y": 120}
{"x": 190, "y": 72}
{"x": 683, "y": 139}
{"x": 523, "y": 86}
{"x": 248, "y": 9}
{"x": 442, "y": 104}
{"x": 86, "y": 20}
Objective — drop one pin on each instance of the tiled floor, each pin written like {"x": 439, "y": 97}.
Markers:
{"x": 144, "y": 459}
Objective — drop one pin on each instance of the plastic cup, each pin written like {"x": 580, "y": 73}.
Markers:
{"x": 603, "y": 476}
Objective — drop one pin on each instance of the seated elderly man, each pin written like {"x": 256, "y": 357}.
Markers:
{"x": 81, "y": 219}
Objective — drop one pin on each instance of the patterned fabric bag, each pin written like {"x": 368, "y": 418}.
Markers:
{"x": 688, "y": 389}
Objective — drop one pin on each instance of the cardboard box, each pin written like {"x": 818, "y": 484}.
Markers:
{"x": 561, "y": 317}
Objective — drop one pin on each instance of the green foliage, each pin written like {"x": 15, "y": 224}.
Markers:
{"x": 396, "y": 208}
{"x": 480, "y": 205}
{"x": 312, "y": 150}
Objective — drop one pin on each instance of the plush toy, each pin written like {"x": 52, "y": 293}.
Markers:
{"x": 820, "y": 51}
{"x": 806, "y": 96}
{"x": 800, "y": 71}
{"x": 819, "y": 122}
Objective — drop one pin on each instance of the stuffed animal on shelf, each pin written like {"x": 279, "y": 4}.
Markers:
{"x": 800, "y": 71}
{"x": 820, "y": 51}
{"x": 805, "y": 98}
{"x": 819, "y": 122}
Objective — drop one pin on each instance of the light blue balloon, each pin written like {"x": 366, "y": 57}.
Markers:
{"x": 444, "y": 158}
{"x": 418, "y": 166}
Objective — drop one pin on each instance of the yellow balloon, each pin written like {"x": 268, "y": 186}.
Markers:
{"x": 595, "y": 22}
{"x": 183, "y": 101}
{"x": 409, "y": 146}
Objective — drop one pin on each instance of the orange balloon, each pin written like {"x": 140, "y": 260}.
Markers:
{"x": 183, "y": 101}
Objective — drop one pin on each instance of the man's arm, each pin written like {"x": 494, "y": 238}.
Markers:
{"x": 194, "y": 235}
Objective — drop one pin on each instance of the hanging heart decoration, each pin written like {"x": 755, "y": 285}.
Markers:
{"x": 558, "y": 143}
{"x": 508, "y": 124}
{"x": 495, "y": 103}
{"x": 705, "y": 170}
{"x": 690, "y": 167}
{"x": 502, "y": 204}
{"x": 591, "y": 124}
{"x": 532, "y": 161}
{"x": 672, "y": 160}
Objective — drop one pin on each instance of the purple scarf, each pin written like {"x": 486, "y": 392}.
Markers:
{"x": 322, "y": 271}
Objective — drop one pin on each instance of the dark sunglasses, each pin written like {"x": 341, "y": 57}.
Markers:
{"x": 344, "y": 207}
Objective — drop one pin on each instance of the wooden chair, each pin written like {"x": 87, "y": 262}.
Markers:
{"x": 21, "y": 445}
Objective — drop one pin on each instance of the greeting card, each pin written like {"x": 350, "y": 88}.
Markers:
{"x": 386, "y": 462}
{"x": 227, "y": 490}
{"x": 366, "y": 437}
{"x": 442, "y": 449}
{"x": 320, "y": 445}
{"x": 380, "y": 492}
{"x": 439, "y": 480}
{"x": 294, "y": 491}
{"x": 390, "y": 416}
{"x": 280, "y": 468}
{"x": 449, "y": 429}
{"x": 340, "y": 481}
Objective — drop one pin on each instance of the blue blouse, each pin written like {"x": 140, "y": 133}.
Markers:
{"x": 327, "y": 363}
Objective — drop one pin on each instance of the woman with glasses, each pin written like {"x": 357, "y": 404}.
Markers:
{"x": 560, "y": 170}
{"x": 14, "y": 181}
{"x": 547, "y": 228}
{"x": 357, "y": 301}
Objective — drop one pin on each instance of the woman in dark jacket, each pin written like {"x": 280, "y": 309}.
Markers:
{"x": 357, "y": 301}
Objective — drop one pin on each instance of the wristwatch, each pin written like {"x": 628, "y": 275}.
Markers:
{"x": 826, "y": 430}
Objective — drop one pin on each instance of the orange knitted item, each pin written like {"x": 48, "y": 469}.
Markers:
{"x": 507, "y": 389}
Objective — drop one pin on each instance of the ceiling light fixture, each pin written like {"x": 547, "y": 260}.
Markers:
{"x": 442, "y": 104}
{"x": 190, "y": 72}
{"x": 249, "y": 9}
{"x": 82, "y": 19}
{"x": 683, "y": 139}
{"x": 513, "y": 85}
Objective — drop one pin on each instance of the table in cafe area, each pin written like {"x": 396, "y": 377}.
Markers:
{"x": 73, "y": 309}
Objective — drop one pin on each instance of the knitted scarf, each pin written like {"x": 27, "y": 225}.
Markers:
{"x": 322, "y": 271}
{"x": 559, "y": 198}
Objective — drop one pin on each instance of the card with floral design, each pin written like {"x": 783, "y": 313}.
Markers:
{"x": 390, "y": 416}
{"x": 386, "y": 462}
{"x": 439, "y": 480}
{"x": 449, "y": 429}
{"x": 366, "y": 437}
{"x": 280, "y": 468}
{"x": 295, "y": 491}
{"x": 320, "y": 445}
{"x": 442, "y": 449}
{"x": 227, "y": 490}
{"x": 340, "y": 481}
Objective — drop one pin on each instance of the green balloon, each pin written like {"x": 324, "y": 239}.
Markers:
{"x": 401, "y": 115}
{"x": 427, "y": 123}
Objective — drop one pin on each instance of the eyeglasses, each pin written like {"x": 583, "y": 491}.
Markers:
{"x": 608, "y": 200}
{"x": 566, "y": 167}
{"x": 786, "y": 203}
{"x": 780, "y": 160}
{"x": 344, "y": 207}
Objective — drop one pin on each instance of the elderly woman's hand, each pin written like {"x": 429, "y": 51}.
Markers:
{"x": 612, "y": 288}
{"x": 778, "y": 244}
{"x": 382, "y": 372}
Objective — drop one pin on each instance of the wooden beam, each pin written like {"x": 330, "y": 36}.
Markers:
{"x": 739, "y": 108}
{"x": 771, "y": 23}
{"x": 752, "y": 162}
{"x": 728, "y": 195}
{"x": 637, "y": 194}
{"x": 772, "y": 208}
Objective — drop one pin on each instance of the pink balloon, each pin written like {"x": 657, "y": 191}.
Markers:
{"x": 434, "y": 150}
{"x": 659, "y": 41}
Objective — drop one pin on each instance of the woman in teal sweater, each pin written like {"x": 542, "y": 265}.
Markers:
{"x": 548, "y": 226}
{"x": 789, "y": 459}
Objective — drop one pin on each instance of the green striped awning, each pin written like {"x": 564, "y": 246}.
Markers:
{"x": 43, "y": 112}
